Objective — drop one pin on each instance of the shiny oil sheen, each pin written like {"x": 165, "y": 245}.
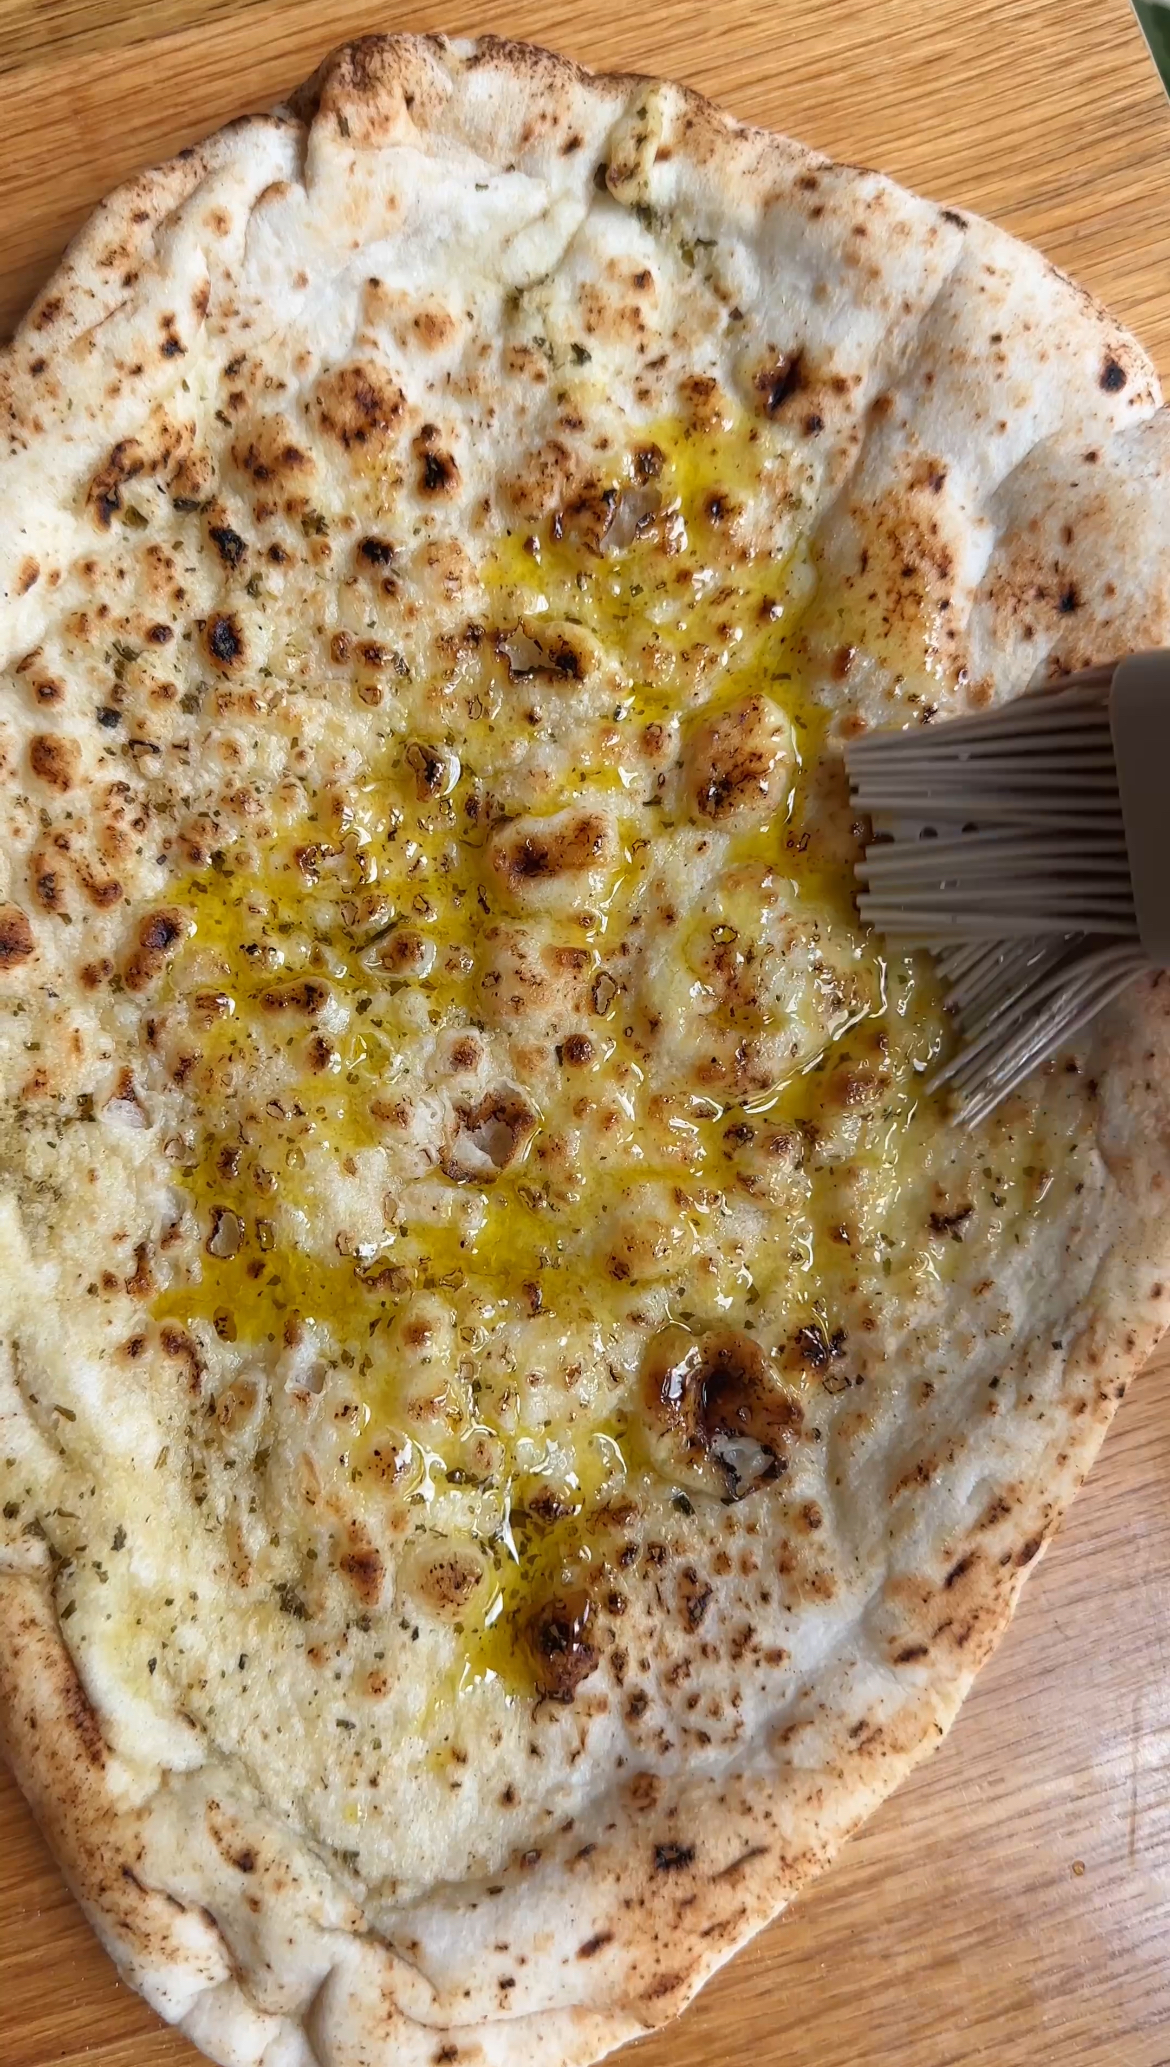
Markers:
{"x": 339, "y": 881}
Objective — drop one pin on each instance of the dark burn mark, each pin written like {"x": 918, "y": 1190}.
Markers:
{"x": 1113, "y": 375}
{"x": 958, "y": 1571}
{"x": 565, "y": 660}
{"x": 177, "y": 1343}
{"x": 548, "y": 1507}
{"x": 225, "y": 640}
{"x": 1070, "y": 600}
{"x": 306, "y": 997}
{"x": 910, "y": 1653}
{"x": 159, "y": 932}
{"x": 141, "y": 1282}
{"x": 736, "y": 763}
{"x": 720, "y": 1395}
{"x": 778, "y": 383}
{"x": 123, "y": 463}
{"x": 16, "y": 937}
{"x": 228, "y": 544}
{"x": 439, "y": 474}
{"x": 376, "y": 552}
{"x": 951, "y": 215}
{"x": 157, "y": 935}
{"x": 671, "y": 1858}
{"x": 595, "y": 1944}
{"x": 267, "y": 461}
{"x": 567, "y": 846}
{"x": 815, "y": 1348}
{"x": 951, "y": 1223}
{"x": 558, "y": 1638}
{"x": 694, "y": 1595}
{"x": 49, "y": 889}
{"x": 430, "y": 769}
{"x": 532, "y": 860}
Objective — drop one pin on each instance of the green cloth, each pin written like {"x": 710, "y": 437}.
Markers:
{"x": 1154, "y": 16}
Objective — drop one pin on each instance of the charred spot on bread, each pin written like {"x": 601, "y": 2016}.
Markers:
{"x": 225, "y": 639}
{"x": 719, "y": 1395}
{"x": 558, "y": 1632}
{"x": 16, "y": 937}
{"x": 158, "y": 935}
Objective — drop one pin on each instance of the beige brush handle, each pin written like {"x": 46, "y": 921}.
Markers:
{"x": 1139, "y": 716}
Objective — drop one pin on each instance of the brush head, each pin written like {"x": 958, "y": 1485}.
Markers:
{"x": 1029, "y": 850}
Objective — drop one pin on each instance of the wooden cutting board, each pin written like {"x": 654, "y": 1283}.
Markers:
{"x": 1012, "y": 1904}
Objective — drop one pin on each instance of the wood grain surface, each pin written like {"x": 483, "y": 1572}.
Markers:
{"x": 1012, "y": 1904}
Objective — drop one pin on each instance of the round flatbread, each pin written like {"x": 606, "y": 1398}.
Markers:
{"x": 520, "y": 1418}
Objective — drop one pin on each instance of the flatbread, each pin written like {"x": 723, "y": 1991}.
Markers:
{"x": 520, "y": 1420}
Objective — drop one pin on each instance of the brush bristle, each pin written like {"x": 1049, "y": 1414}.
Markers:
{"x": 998, "y": 827}
{"x": 999, "y": 844}
{"x": 1017, "y": 1004}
